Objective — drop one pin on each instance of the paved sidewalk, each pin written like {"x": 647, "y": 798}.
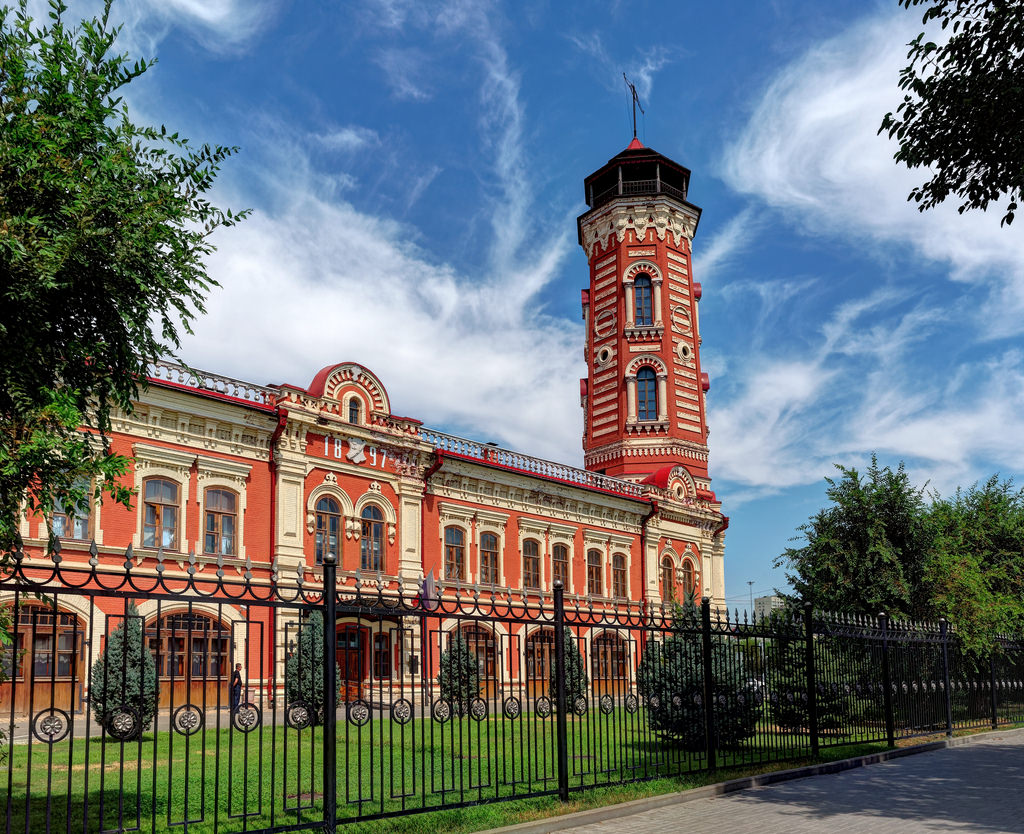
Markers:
{"x": 977, "y": 787}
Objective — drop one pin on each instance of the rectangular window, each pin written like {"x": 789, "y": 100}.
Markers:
{"x": 72, "y": 521}
{"x": 488, "y": 559}
{"x": 160, "y": 513}
{"x": 531, "y": 564}
{"x": 561, "y": 565}
{"x": 594, "y": 583}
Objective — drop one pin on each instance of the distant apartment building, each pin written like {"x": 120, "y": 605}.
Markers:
{"x": 763, "y": 606}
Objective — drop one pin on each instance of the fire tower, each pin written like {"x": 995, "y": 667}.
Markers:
{"x": 643, "y": 398}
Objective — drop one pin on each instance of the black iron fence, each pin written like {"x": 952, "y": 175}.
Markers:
{"x": 123, "y": 711}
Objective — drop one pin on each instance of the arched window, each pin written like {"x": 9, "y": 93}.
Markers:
{"x": 221, "y": 522}
{"x": 642, "y": 300}
{"x": 646, "y": 394}
{"x": 328, "y": 525}
{"x": 488, "y": 559}
{"x": 668, "y": 579}
{"x": 608, "y": 657}
{"x": 594, "y": 583}
{"x": 540, "y": 655}
{"x": 531, "y": 564}
{"x": 454, "y": 553}
{"x": 36, "y": 629}
{"x": 560, "y": 561}
{"x": 481, "y": 644}
{"x": 619, "y": 576}
{"x": 689, "y": 582}
{"x": 186, "y": 645}
{"x": 353, "y": 410}
{"x": 71, "y": 520}
{"x": 160, "y": 513}
{"x": 382, "y": 656}
{"x": 371, "y": 545}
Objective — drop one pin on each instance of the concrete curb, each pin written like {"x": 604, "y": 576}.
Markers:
{"x": 610, "y": 812}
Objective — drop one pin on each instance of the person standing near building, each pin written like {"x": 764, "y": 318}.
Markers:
{"x": 236, "y": 687}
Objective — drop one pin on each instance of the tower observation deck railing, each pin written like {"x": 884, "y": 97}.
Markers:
{"x": 633, "y": 187}
{"x": 527, "y": 463}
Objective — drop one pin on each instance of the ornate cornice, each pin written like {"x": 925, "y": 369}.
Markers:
{"x": 639, "y": 215}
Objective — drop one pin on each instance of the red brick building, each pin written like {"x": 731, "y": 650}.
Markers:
{"x": 261, "y": 482}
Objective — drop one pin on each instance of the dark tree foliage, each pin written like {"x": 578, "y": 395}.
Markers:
{"x": 670, "y": 678}
{"x": 124, "y": 678}
{"x": 960, "y": 115}
{"x": 575, "y": 673}
{"x": 305, "y": 669}
{"x": 459, "y": 676}
{"x": 104, "y": 228}
{"x": 864, "y": 553}
{"x": 789, "y": 706}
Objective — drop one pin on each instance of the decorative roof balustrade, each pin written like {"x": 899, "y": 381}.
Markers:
{"x": 489, "y": 453}
{"x": 175, "y": 374}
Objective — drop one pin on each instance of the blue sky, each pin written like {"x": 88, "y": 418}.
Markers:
{"x": 415, "y": 170}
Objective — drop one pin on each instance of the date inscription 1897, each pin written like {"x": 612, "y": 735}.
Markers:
{"x": 358, "y": 451}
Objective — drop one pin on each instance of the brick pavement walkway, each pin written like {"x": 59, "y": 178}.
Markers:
{"x": 978, "y": 787}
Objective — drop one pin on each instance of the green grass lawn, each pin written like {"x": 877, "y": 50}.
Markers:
{"x": 226, "y": 781}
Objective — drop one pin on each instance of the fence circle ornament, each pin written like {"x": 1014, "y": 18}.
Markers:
{"x": 512, "y": 708}
{"x": 677, "y": 701}
{"x": 441, "y": 711}
{"x": 478, "y": 709}
{"x": 51, "y": 725}
{"x": 654, "y": 703}
{"x": 298, "y": 715}
{"x": 607, "y": 704}
{"x": 632, "y": 705}
{"x": 543, "y": 706}
{"x": 401, "y": 711}
{"x": 124, "y": 723}
{"x": 246, "y": 717}
{"x": 188, "y": 719}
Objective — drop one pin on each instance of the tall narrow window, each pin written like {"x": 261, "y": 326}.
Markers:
{"x": 646, "y": 394}
{"x": 531, "y": 564}
{"x": 221, "y": 522}
{"x": 689, "y": 583}
{"x": 488, "y": 559}
{"x": 353, "y": 410}
{"x": 594, "y": 584}
{"x": 371, "y": 545}
{"x": 381, "y": 656}
{"x": 328, "y": 525}
{"x": 454, "y": 553}
{"x": 642, "y": 300}
{"x": 560, "y": 561}
{"x": 619, "y": 576}
{"x": 160, "y": 513}
{"x": 668, "y": 579}
{"x": 71, "y": 520}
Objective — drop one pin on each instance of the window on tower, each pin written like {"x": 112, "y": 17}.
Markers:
{"x": 644, "y": 316}
{"x": 646, "y": 394}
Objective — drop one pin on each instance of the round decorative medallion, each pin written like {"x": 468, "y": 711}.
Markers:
{"x": 607, "y": 704}
{"x": 298, "y": 715}
{"x": 247, "y": 717}
{"x": 654, "y": 703}
{"x": 604, "y": 323}
{"x": 543, "y": 706}
{"x": 124, "y": 723}
{"x": 401, "y": 711}
{"x": 358, "y": 712}
{"x": 51, "y": 725}
{"x": 579, "y": 706}
{"x": 512, "y": 708}
{"x": 188, "y": 719}
{"x": 441, "y": 711}
{"x": 632, "y": 705}
{"x": 478, "y": 709}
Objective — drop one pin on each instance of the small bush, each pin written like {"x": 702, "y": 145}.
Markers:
{"x": 575, "y": 673}
{"x": 124, "y": 679}
{"x": 304, "y": 669}
{"x": 459, "y": 677}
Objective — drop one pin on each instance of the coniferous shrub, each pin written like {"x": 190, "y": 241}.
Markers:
{"x": 304, "y": 670}
{"x": 124, "y": 681}
{"x": 671, "y": 680}
{"x": 575, "y": 673}
{"x": 459, "y": 677}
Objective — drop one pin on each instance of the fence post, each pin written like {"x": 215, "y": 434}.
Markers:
{"x": 709, "y": 683}
{"x": 992, "y": 684}
{"x": 331, "y": 696}
{"x": 812, "y": 678}
{"x": 890, "y": 718}
{"x": 944, "y": 637}
{"x": 561, "y": 729}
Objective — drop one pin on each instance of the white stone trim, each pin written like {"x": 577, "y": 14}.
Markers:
{"x": 174, "y": 465}
{"x": 231, "y": 475}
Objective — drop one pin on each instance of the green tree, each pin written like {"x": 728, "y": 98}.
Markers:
{"x": 305, "y": 669}
{"x": 575, "y": 673}
{"x": 459, "y": 676}
{"x": 865, "y": 552}
{"x": 104, "y": 228}
{"x": 960, "y": 115}
{"x": 123, "y": 689}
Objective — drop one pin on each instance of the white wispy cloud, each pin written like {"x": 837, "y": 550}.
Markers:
{"x": 640, "y": 69}
{"x": 405, "y": 72}
{"x": 346, "y": 139}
